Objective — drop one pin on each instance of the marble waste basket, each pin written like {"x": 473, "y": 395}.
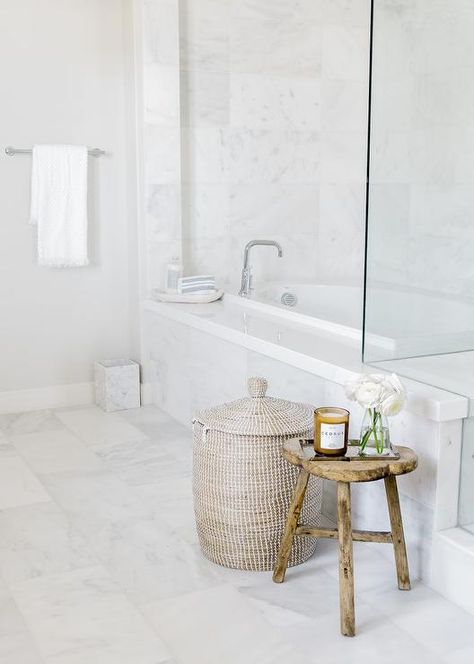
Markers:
{"x": 117, "y": 384}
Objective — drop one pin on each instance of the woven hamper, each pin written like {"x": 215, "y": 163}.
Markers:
{"x": 243, "y": 486}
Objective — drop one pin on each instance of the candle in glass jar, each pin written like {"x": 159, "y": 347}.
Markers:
{"x": 331, "y": 431}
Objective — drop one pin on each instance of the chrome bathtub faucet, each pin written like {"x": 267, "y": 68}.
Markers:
{"x": 246, "y": 281}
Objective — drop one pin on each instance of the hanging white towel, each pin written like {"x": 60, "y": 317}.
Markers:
{"x": 59, "y": 204}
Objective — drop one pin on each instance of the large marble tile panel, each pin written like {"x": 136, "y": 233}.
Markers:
{"x": 289, "y": 38}
{"x": 239, "y": 633}
{"x": 98, "y": 504}
{"x": 55, "y": 451}
{"x": 341, "y": 244}
{"x": 93, "y": 426}
{"x": 160, "y": 31}
{"x": 163, "y": 216}
{"x": 204, "y": 155}
{"x": 38, "y": 540}
{"x": 162, "y": 154}
{"x": 138, "y": 462}
{"x": 161, "y": 95}
{"x": 19, "y": 649}
{"x": 204, "y": 34}
{"x": 343, "y": 157}
{"x": 206, "y": 211}
{"x": 344, "y": 105}
{"x": 274, "y": 156}
{"x": 82, "y": 616}
{"x": 18, "y": 485}
{"x": 205, "y": 98}
{"x": 345, "y": 52}
{"x": 12, "y": 623}
{"x": 269, "y": 209}
{"x": 30, "y": 422}
{"x": 375, "y": 639}
{"x": 265, "y": 102}
{"x": 341, "y": 12}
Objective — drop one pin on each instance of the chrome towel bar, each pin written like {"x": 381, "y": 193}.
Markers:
{"x": 10, "y": 151}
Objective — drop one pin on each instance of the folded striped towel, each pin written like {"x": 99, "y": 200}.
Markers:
{"x": 198, "y": 284}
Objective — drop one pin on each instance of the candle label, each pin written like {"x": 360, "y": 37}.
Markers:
{"x": 333, "y": 436}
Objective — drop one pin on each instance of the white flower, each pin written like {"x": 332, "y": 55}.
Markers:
{"x": 368, "y": 394}
{"x": 392, "y": 404}
{"x": 384, "y": 393}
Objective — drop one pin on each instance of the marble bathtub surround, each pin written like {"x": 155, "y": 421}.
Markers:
{"x": 272, "y": 108}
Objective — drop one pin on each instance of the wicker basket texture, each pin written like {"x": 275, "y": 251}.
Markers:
{"x": 243, "y": 486}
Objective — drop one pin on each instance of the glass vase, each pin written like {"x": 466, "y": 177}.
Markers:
{"x": 374, "y": 434}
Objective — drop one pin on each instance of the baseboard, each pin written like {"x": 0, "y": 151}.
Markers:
{"x": 42, "y": 398}
{"x": 453, "y": 567}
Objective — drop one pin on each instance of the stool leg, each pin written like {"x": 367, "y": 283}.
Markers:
{"x": 290, "y": 526}
{"x": 346, "y": 572}
{"x": 398, "y": 536}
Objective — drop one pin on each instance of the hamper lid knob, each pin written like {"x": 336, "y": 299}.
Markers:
{"x": 257, "y": 386}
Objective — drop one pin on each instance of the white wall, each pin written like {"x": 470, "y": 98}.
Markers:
{"x": 267, "y": 102}
{"x": 65, "y": 78}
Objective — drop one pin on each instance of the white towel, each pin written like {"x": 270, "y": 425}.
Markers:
{"x": 59, "y": 204}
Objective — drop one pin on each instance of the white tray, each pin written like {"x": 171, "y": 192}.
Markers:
{"x": 187, "y": 298}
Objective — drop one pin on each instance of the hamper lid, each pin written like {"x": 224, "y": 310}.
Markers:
{"x": 258, "y": 415}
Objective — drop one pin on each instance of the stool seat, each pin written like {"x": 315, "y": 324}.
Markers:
{"x": 301, "y": 453}
{"x": 344, "y": 471}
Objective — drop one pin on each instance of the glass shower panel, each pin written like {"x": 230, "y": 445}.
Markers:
{"x": 420, "y": 240}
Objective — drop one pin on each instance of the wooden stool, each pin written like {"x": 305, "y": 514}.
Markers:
{"x": 344, "y": 472}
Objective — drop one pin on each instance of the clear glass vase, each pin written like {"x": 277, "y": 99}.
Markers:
{"x": 374, "y": 434}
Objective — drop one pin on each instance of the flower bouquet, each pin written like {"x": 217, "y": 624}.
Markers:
{"x": 382, "y": 396}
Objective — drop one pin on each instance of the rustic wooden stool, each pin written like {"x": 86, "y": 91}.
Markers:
{"x": 344, "y": 471}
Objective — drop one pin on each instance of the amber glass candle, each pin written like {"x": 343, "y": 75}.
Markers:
{"x": 331, "y": 431}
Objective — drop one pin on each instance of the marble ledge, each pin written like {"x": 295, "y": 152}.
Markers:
{"x": 321, "y": 352}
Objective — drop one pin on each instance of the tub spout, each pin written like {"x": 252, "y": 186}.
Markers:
{"x": 246, "y": 279}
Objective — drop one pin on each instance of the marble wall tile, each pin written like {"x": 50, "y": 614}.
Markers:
{"x": 161, "y": 27}
{"x": 340, "y": 245}
{"x": 289, "y": 38}
{"x": 343, "y": 157}
{"x": 162, "y": 155}
{"x": 19, "y": 647}
{"x": 206, "y": 211}
{"x": 205, "y": 98}
{"x": 344, "y": 105}
{"x": 261, "y": 102}
{"x": 204, "y": 34}
{"x": 265, "y": 209}
{"x": 205, "y": 155}
{"x": 161, "y": 95}
{"x": 269, "y": 156}
{"x": 345, "y": 53}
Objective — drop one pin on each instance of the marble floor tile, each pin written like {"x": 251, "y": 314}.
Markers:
{"x": 18, "y": 485}
{"x": 82, "y": 616}
{"x": 55, "y": 451}
{"x": 92, "y": 425}
{"x": 37, "y": 540}
{"x": 102, "y": 565}
{"x": 138, "y": 461}
{"x": 38, "y": 420}
{"x": 19, "y": 649}
{"x": 218, "y": 625}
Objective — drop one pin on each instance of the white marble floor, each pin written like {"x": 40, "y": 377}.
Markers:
{"x": 99, "y": 564}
